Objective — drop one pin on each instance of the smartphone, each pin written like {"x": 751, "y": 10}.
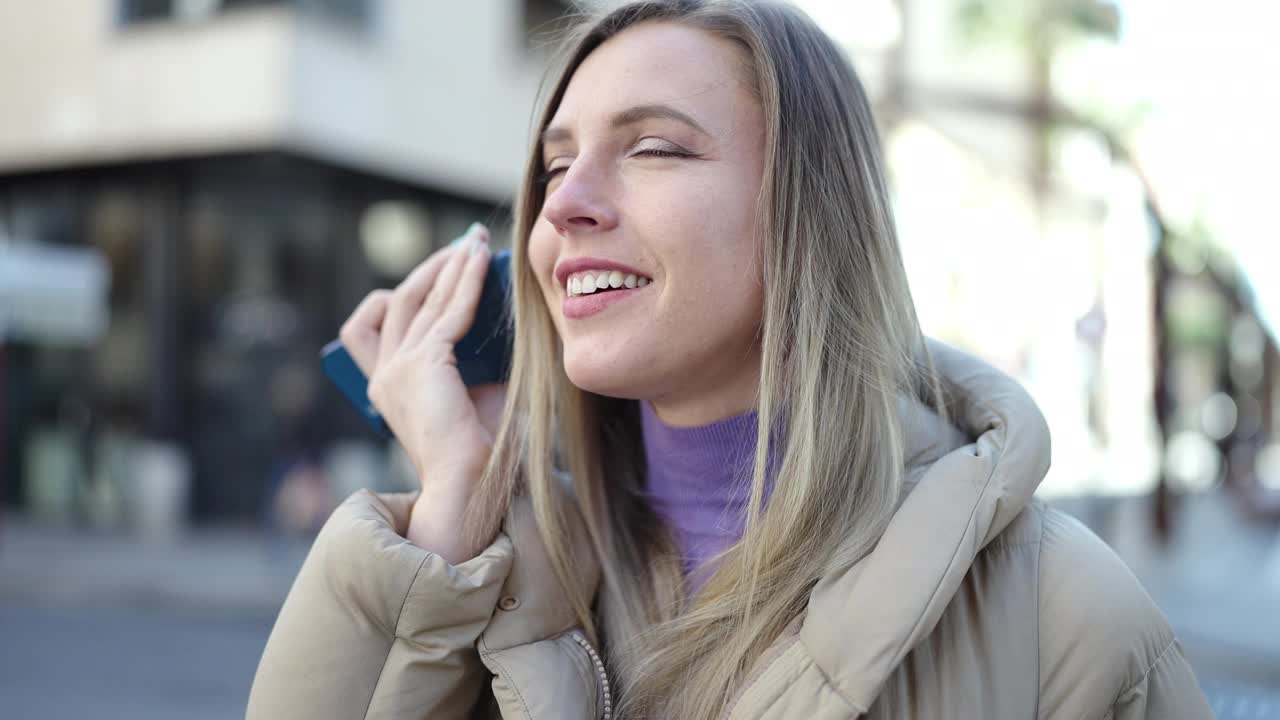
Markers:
{"x": 484, "y": 353}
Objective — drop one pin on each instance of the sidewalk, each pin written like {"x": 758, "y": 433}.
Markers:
{"x": 213, "y": 570}
{"x": 1218, "y": 581}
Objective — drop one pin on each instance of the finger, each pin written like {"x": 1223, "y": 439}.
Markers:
{"x": 359, "y": 334}
{"x": 460, "y": 282}
{"x": 412, "y": 292}
{"x": 459, "y": 314}
{"x": 407, "y": 298}
{"x": 446, "y": 283}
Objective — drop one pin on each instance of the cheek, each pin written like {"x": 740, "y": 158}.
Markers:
{"x": 543, "y": 249}
{"x": 727, "y": 303}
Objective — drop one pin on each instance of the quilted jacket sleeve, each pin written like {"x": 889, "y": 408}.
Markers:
{"x": 1167, "y": 690}
{"x": 1106, "y": 650}
{"x": 375, "y": 627}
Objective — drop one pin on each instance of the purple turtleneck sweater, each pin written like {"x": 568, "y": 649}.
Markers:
{"x": 691, "y": 482}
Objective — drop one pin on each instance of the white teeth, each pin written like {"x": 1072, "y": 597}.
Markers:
{"x": 589, "y": 282}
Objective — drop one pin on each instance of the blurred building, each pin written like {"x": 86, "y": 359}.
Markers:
{"x": 1052, "y": 223}
{"x": 246, "y": 170}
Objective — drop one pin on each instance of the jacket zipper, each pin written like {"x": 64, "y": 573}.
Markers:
{"x": 600, "y": 673}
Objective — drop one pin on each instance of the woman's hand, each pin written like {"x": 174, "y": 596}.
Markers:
{"x": 403, "y": 340}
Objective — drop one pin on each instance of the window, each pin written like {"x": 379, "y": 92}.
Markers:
{"x": 354, "y": 13}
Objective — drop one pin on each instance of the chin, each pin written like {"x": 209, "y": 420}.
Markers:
{"x": 599, "y": 376}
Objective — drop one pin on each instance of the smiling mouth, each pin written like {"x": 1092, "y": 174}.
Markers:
{"x": 594, "y": 281}
{"x": 586, "y": 304}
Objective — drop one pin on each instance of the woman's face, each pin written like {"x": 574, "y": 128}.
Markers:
{"x": 685, "y": 337}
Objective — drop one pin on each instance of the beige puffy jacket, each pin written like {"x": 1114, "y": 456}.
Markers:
{"x": 978, "y": 602}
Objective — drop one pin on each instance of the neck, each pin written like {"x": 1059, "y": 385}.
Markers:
{"x": 706, "y": 402}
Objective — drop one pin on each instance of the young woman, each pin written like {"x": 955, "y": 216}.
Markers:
{"x": 729, "y": 477}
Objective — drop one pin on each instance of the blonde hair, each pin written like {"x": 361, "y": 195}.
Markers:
{"x": 840, "y": 347}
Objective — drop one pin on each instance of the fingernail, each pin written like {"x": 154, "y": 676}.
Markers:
{"x": 474, "y": 230}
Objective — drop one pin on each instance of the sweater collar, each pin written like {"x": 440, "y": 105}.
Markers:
{"x": 696, "y": 465}
{"x": 698, "y": 482}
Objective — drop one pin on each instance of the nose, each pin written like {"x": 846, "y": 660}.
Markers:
{"x": 580, "y": 202}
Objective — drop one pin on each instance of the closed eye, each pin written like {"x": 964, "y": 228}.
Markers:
{"x": 663, "y": 153}
{"x": 546, "y": 176}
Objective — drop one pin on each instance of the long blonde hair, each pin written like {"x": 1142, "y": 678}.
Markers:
{"x": 840, "y": 347}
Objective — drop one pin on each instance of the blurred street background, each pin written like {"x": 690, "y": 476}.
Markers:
{"x": 195, "y": 193}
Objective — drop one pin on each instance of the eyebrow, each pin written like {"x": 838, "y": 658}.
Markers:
{"x": 630, "y": 116}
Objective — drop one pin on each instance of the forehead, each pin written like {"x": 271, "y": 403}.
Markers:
{"x": 658, "y": 63}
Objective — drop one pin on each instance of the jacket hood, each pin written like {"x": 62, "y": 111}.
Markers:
{"x": 964, "y": 485}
